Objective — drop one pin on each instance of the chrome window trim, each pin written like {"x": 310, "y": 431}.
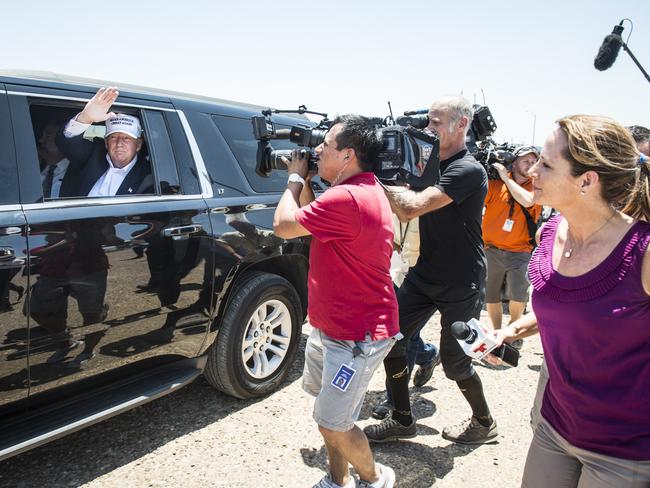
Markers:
{"x": 204, "y": 180}
{"x": 77, "y": 99}
{"x": 10, "y": 207}
{"x": 92, "y": 202}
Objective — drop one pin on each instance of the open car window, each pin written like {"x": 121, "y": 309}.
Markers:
{"x": 70, "y": 168}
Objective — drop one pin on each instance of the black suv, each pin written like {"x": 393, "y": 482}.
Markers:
{"x": 107, "y": 303}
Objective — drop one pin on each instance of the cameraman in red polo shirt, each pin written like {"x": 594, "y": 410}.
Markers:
{"x": 352, "y": 305}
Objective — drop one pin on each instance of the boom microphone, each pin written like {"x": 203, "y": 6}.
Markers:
{"x": 609, "y": 49}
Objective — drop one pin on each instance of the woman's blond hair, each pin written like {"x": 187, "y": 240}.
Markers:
{"x": 601, "y": 144}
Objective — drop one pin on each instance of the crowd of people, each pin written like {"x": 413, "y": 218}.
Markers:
{"x": 590, "y": 276}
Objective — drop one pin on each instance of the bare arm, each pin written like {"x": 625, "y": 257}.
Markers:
{"x": 525, "y": 326}
{"x": 307, "y": 195}
{"x": 408, "y": 204}
{"x": 285, "y": 224}
{"x": 522, "y": 196}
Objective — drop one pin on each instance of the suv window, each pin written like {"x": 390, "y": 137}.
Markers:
{"x": 47, "y": 119}
{"x": 8, "y": 173}
{"x": 239, "y": 137}
{"x": 238, "y": 133}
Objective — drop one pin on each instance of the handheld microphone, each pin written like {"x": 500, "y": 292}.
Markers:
{"x": 477, "y": 342}
{"x": 609, "y": 49}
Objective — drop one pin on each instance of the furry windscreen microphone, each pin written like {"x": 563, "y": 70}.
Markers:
{"x": 609, "y": 49}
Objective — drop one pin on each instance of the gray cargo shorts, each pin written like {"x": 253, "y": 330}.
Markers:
{"x": 511, "y": 267}
{"x": 327, "y": 376}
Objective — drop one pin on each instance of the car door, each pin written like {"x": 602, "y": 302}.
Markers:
{"x": 14, "y": 373}
{"x": 117, "y": 283}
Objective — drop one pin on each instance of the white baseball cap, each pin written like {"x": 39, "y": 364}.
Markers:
{"x": 523, "y": 150}
{"x": 127, "y": 124}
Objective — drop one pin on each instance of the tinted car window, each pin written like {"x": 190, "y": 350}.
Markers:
{"x": 183, "y": 155}
{"x": 8, "y": 173}
{"x": 161, "y": 152}
{"x": 239, "y": 136}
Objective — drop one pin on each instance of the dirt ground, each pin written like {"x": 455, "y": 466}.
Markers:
{"x": 198, "y": 437}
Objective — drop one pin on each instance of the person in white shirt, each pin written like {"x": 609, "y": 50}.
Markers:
{"x": 108, "y": 168}
{"x": 55, "y": 163}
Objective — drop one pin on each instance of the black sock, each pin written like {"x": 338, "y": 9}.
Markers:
{"x": 397, "y": 376}
{"x": 472, "y": 390}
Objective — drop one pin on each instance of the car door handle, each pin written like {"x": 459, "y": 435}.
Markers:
{"x": 182, "y": 232}
{"x": 7, "y": 254}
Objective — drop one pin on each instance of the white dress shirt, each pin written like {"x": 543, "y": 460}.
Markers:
{"x": 74, "y": 128}
{"x": 59, "y": 172}
{"x": 107, "y": 184}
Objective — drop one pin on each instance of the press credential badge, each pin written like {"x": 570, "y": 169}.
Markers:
{"x": 343, "y": 377}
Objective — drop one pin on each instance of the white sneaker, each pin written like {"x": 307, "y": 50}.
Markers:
{"x": 386, "y": 480}
{"x": 326, "y": 482}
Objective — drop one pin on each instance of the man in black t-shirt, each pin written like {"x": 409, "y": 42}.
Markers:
{"x": 449, "y": 276}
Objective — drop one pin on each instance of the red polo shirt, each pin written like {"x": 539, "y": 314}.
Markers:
{"x": 350, "y": 288}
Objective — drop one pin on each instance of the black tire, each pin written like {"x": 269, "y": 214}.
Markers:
{"x": 226, "y": 369}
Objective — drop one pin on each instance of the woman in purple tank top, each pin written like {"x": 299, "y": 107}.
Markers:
{"x": 591, "y": 300}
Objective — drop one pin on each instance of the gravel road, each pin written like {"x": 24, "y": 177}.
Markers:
{"x": 198, "y": 437}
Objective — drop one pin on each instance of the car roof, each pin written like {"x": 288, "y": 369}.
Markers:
{"x": 56, "y": 80}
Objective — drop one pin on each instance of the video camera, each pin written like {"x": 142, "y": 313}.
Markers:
{"x": 481, "y": 145}
{"x": 489, "y": 153}
{"x": 478, "y": 141}
{"x": 409, "y": 154}
{"x": 305, "y": 135}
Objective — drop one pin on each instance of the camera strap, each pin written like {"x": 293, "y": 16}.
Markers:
{"x": 532, "y": 226}
{"x": 530, "y": 223}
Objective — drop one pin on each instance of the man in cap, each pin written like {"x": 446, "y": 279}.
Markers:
{"x": 509, "y": 226}
{"x": 108, "y": 168}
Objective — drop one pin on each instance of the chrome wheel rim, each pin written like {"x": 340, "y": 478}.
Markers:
{"x": 266, "y": 339}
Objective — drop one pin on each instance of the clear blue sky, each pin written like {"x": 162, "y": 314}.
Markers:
{"x": 532, "y": 59}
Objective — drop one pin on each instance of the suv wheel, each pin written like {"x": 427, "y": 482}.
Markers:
{"x": 258, "y": 337}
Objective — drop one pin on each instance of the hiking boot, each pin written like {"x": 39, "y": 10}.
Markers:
{"x": 387, "y": 477}
{"x": 471, "y": 431}
{"x": 326, "y": 482}
{"x": 389, "y": 430}
{"x": 381, "y": 411}
{"x": 423, "y": 373}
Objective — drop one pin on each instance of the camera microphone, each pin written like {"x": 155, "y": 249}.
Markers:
{"x": 417, "y": 112}
{"x": 609, "y": 49}
{"x": 282, "y": 133}
{"x": 419, "y": 121}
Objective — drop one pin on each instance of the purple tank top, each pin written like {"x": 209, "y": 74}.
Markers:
{"x": 595, "y": 330}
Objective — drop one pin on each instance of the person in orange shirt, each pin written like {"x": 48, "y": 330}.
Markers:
{"x": 508, "y": 243}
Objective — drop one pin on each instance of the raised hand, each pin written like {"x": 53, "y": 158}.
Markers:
{"x": 97, "y": 108}
{"x": 502, "y": 170}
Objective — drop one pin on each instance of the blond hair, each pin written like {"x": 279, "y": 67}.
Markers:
{"x": 600, "y": 144}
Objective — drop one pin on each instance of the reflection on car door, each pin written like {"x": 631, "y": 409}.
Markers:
{"x": 116, "y": 288}
{"x": 13, "y": 279}
{"x": 114, "y": 282}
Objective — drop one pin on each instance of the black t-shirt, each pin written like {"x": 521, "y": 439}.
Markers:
{"x": 451, "y": 242}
